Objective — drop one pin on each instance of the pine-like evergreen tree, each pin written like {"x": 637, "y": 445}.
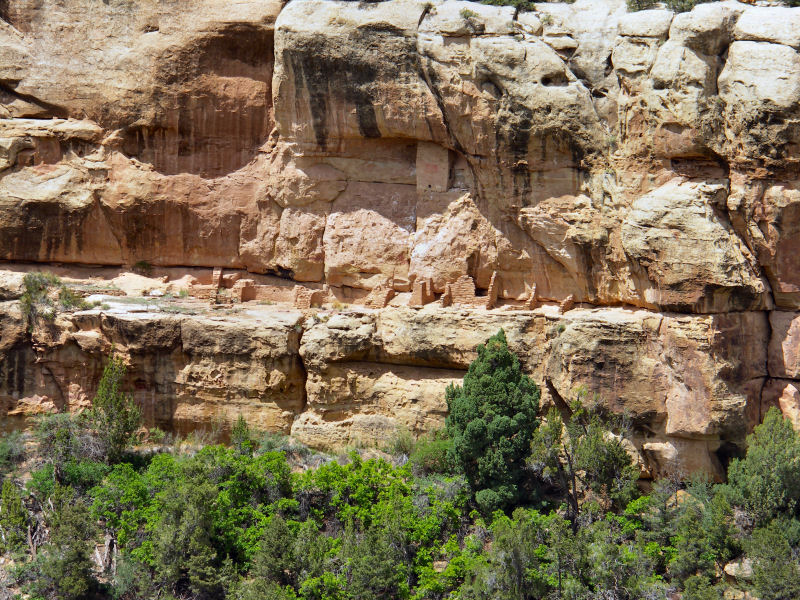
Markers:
{"x": 114, "y": 416}
{"x": 491, "y": 422}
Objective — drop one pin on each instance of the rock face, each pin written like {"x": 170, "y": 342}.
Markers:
{"x": 642, "y": 166}
{"x": 185, "y": 371}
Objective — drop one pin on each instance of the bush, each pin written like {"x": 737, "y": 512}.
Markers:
{"x": 38, "y": 300}
{"x": 491, "y": 422}
{"x": 522, "y": 5}
{"x": 275, "y": 560}
{"x": 63, "y": 570}
{"x": 376, "y": 566}
{"x": 431, "y": 454}
{"x": 65, "y": 438}
{"x": 12, "y": 450}
{"x": 83, "y": 474}
{"x": 35, "y": 300}
{"x": 402, "y": 443}
{"x": 69, "y": 300}
{"x": 142, "y": 267}
{"x": 582, "y": 455}
{"x": 184, "y": 555}
{"x": 278, "y": 442}
{"x": 700, "y": 588}
{"x": 159, "y": 436}
{"x": 13, "y": 518}
{"x": 766, "y": 482}
{"x": 678, "y": 6}
{"x": 273, "y": 442}
{"x": 132, "y": 580}
{"x": 114, "y": 415}
{"x": 242, "y": 438}
{"x": 775, "y": 570}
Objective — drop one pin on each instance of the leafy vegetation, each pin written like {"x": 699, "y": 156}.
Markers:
{"x": 675, "y": 5}
{"x": 13, "y": 519}
{"x": 12, "y": 451}
{"x": 579, "y": 455}
{"x": 114, "y": 415}
{"x": 44, "y": 294}
{"x": 253, "y": 521}
{"x": 142, "y": 267}
{"x": 491, "y": 421}
{"x": 767, "y": 482}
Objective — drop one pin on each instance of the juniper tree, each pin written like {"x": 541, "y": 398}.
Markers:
{"x": 491, "y": 422}
{"x": 114, "y": 416}
{"x": 580, "y": 454}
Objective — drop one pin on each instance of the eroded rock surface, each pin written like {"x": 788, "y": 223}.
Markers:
{"x": 642, "y": 166}
{"x": 337, "y": 378}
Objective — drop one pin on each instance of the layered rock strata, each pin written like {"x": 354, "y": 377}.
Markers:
{"x": 335, "y": 378}
{"x": 641, "y": 167}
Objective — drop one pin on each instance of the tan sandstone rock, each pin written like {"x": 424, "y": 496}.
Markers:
{"x": 622, "y": 160}
{"x": 784, "y": 345}
{"x": 713, "y": 272}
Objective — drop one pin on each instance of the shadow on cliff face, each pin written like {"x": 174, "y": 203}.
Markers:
{"x": 212, "y": 102}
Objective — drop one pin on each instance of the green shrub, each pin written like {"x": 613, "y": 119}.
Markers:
{"x": 185, "y": 556}
{"x": 69, "y": 300}
{"x": 114, "y": 415}
{"x": 402, "y": 443}
{"x": 132, "y": 580}
{"x": 143, "y": 267}
{"x": 65, "y": 438}
{"x": 269, "y": 441}
{"x": 328, "y": 586}
{"x": 44, "y": 294}
{"x": 491, "y": 421}
{"x": 275, "y": 559}
{"x": 159, "y": 436}
{"x": 431, "y": 454}
{"x": 12, "y": 450}
{"x": 259, "y": 589}
{"x": 42, "y": 482}
{"x": 775, "y": 570}
{"x": 698, "y": 587}
{"x": 766, "y": 482}
{"x": 273, "y": 442}
{"x": 241, "y": 437}
{"x": 637, "y": 5}
{"x": 522, "y": 5}
{"x": 678, "y": 6}
{"x": 13, "y": 518}
{"x": 375, "y": 564}
{"x": 64, "y": 568}
{"x": 83, "y": 475}
{"x": 580, "y": 454}
{"x": 35, "y": 300}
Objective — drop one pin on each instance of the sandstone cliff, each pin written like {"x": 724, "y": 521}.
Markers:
{"x": 641, "y": 167}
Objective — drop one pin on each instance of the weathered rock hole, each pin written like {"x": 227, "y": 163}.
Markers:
{"x": 555, "y": 79}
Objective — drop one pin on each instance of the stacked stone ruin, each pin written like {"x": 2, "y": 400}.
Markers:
{"x": 305, "y": 298}
{"x": 422, "y": 293}
{"x": 462, "y": 293}
{"x": 380, "y": 295}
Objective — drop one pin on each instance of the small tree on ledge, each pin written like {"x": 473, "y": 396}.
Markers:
{"x": 491, "y": 421}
